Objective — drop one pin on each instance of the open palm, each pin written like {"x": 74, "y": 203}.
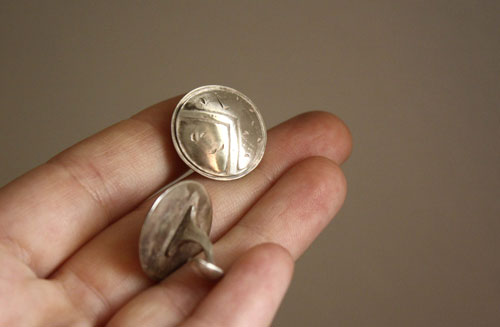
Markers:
{"x": 69, "y": 229}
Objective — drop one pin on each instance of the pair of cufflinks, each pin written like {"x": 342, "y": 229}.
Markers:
{"x": 220, "y": 134}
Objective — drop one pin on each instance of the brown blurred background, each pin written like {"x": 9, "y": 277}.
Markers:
{"x": 418, "y": 82}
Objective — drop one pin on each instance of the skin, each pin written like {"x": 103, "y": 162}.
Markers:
{"x": 69, "y": 229}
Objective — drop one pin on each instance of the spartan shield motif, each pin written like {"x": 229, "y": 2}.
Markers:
{"x": 218, "y": 132}
{"x": 211, "y": 140}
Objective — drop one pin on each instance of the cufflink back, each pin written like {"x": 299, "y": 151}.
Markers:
{"x": 176, "y": 229}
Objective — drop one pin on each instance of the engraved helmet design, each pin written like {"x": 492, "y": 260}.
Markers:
{"x": 218, "y": 132}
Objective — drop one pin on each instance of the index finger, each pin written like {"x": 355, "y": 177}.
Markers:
{"x": 52, "y": 210}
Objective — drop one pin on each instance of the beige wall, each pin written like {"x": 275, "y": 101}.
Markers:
{"x": 418, "y": 82}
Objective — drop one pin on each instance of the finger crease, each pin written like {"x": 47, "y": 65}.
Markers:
{"x": 181, "y": 311}
{"x": 261, "y": 235}
{"x": 20, "y": 252}
{"x": 149, "y": 124}
{"x": 105, "y": 304}
{"x": 96, "y": 197}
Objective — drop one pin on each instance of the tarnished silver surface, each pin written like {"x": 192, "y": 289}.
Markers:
{"x": 218, "y": 132}
{"x": 176, "y": 229}
{"x": 208, "y": 269}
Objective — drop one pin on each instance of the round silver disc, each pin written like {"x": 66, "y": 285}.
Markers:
{"x": 162, "y": 223}
{"x": 218, "y": 132}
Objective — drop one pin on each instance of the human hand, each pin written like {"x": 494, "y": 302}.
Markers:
{"x": 69, "y": 229}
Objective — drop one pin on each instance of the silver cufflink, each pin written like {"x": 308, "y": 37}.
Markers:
{"x": 220, "y": 134}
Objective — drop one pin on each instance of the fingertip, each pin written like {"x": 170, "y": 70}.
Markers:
{"x": 318, "y": 133}
{"x": 334, "y": 129}
{"x": 322, "y": 182}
